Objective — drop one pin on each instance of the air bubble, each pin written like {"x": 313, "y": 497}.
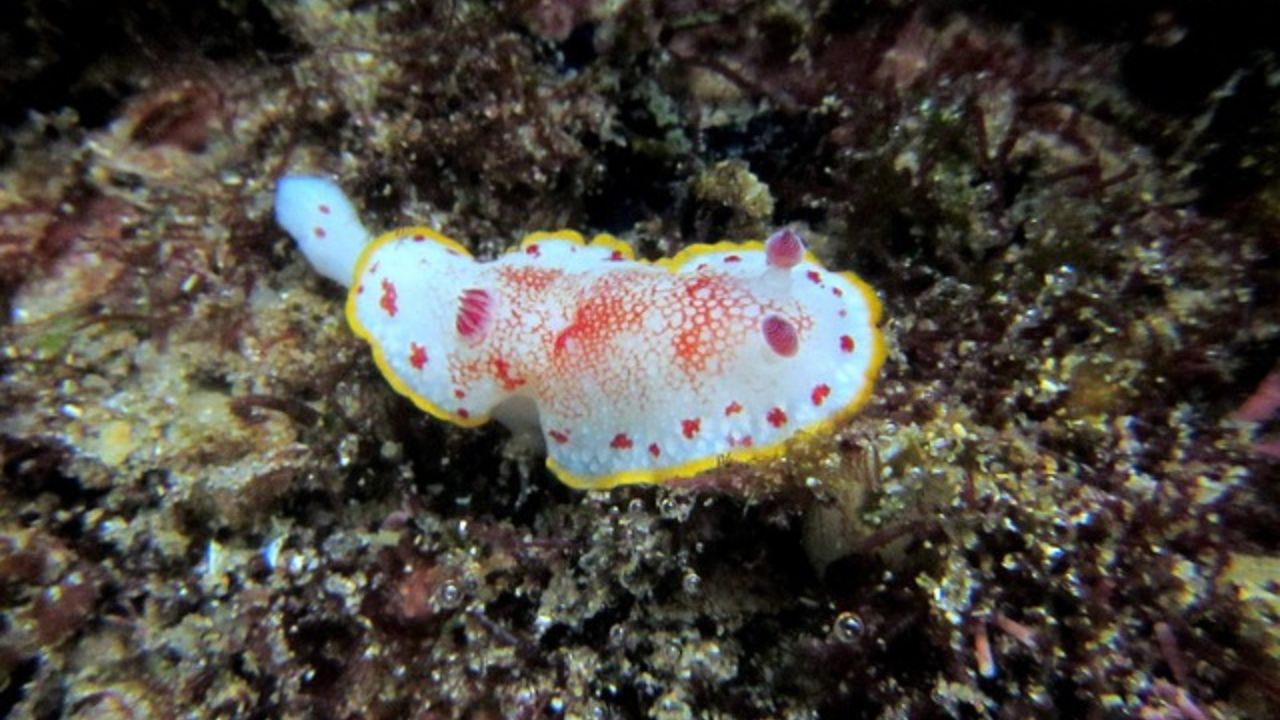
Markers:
{"x": 692, "y": 583}
{"x": 847, "y": 627}
{"x": 450, "y": 595}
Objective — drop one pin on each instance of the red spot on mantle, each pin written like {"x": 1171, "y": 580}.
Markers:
{"x": 846, "y": 343}
{"x": 388, "y": 301}
{"x": 319, "y": 232}
{"x": 732, "y": 259}
{"x": 419, "y": 238}
{"x": 777, "y": 417}
{"x": 533, "y": 250}
{"x": 324, "y": 209}
{"x": 621, "y": 442}
{"x": 417, "y": 355}
{"x": 459, "y": 394}
{"x": 732, "y": 408}
{"x": 560, "y": 437}
{"x": 814, "y": 276}
{"x": 819, "y": 394}
{"x": 689, "y": 428}
{"x": 502, "y": 369}
{"x": 462, "y": 413}
{"x": 616, "y": 256}
{"x": 654, "y": 450}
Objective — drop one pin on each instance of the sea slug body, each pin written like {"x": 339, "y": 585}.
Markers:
{"x": 630, "y": 371}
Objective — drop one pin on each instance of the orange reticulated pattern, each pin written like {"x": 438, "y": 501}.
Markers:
{"x": 624, "y": 321}
{"x": 577, "y": 341}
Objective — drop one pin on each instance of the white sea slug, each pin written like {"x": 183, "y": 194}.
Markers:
{"x": 631, "y": 371}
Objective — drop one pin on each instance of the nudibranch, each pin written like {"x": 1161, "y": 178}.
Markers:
{"x": 631, "y": 371}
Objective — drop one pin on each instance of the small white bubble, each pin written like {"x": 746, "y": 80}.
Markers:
{"x": 450, "y": 595}
{"x": 847, "y": 627}
{"x": 692, "y": 583}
